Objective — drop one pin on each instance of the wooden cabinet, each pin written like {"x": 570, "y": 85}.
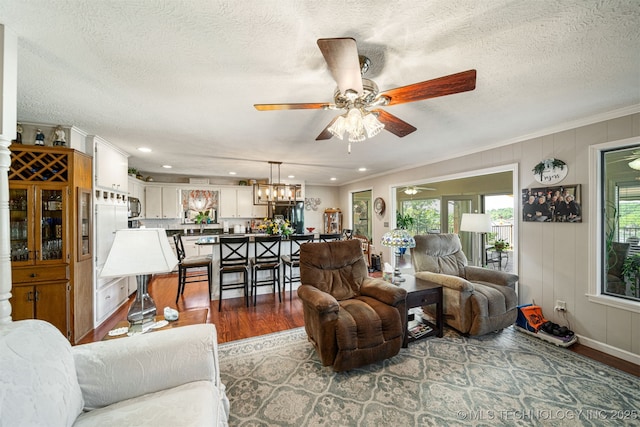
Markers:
{"x": 51, "y": 262}
{"x": 161, "y": 202}
{"x": 332, "y": 221}
{"x": 46, "y": 301}
{"x": 238, "y": 203}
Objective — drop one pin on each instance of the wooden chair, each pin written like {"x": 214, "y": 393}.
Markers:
{"x": 266, "y": 257}
{"x": 234, "y": 259}
{"x": 366, "y": 248}
{"x": 329, "y": 237}
{"x": 191, "y": 269}
{"x": 291, "y": 261}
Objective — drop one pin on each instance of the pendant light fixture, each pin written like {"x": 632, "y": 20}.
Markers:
{"x": 275, "y": 192}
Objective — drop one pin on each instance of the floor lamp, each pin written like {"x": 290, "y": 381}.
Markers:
{"x": 398, "y": 238}
{"x": 140, "y": 252}
{"x": 477, "y": 223}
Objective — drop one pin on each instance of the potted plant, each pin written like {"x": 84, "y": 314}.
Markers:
{"x": 132, "y": 171}
{"x": 631, "y": 273}
{"x": 501, "y": 245}
{"x": 404, "y": 221}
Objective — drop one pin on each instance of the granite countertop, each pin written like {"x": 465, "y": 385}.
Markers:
{"x": 194, "y": 231}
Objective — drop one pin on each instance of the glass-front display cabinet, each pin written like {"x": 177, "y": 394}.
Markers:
{"x": 85, "y": 224}
{"x": 332, "y": 221}
{"x": 38, "y": 223}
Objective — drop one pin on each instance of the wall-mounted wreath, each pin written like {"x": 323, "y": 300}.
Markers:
{"x": 550, "y": 171}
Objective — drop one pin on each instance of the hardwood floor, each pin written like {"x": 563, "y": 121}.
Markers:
{"x": 236, "y": 321}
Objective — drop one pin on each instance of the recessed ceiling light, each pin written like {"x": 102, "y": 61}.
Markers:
{"x": 144, "y": 149}
{"x": 232, "y": 173}
{"x": 333, "y": 178}
{"x": 362, "y": 169}
{"x": 291, "y": 176}
{"x": 167, "y": 166}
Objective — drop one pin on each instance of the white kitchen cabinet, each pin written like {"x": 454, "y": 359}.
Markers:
{"x": 161, "y": 202}
{"x": 110, "y": 165}
{"x": 238, "y": 203}
{"x": 228, "y": 203}
{"x": 109, "y": 293}
{"x": 244, "y": 202}
{"x": 170, "y": 202}
{"x": 111, "y": 297}
{"x": 190, "y": 247}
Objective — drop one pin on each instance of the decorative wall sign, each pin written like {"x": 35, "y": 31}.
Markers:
{"x": 552, "y": 204}
{"x": 550, "y": 171}
{"x": 311, "y": 203}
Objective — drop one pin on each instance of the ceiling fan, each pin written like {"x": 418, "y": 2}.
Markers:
{"x": 361, "y": 98}
{"x": 413, "y": 190}
{"x": 632, "y": 159}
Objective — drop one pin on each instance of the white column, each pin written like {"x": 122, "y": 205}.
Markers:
{"x": 8, "y": 119}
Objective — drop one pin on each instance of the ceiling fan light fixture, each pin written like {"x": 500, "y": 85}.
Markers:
{"x": 635, "y": 164}
{"x": 372, "y": 125}
{"x": 338, "y": 127}
{"x": 410, "y": 191}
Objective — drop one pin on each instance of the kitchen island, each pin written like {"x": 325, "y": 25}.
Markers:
{"x": 198, "y": 244}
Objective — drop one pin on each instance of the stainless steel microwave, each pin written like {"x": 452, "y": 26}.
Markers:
{"x": 134, "y": 207}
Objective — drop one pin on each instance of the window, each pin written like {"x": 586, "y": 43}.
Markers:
{"x": 620, "y": 225}
{"x": 362, "y": 212}
{"x": 425, "y": 214}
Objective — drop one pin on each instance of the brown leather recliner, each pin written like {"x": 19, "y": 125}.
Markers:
{"x": 476, "y": 300}
{"x": 351, "y": 318}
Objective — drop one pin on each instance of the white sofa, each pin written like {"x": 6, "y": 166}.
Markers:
{"x": 163, "y": 378}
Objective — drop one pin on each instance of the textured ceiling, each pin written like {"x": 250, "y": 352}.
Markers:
{"x": 182, "y": 76}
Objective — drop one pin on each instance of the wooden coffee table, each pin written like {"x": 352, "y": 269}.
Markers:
{"x": 189, "y": 317}
{"x": 419, "y": 293}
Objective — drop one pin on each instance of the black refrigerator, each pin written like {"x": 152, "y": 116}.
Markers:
{"x": 294, "y": 213}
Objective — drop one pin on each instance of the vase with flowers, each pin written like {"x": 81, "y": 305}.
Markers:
{"x": 276, "y": 226}
{"x": 202, "y": 218}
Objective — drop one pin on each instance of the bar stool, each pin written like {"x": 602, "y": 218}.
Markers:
{"x": 329, "y": 237}
{"x": 291, "y": 261}
{"x": 194, "y": 265}
{"x": 266, "y": 258}
{"x": 234, "y": 259}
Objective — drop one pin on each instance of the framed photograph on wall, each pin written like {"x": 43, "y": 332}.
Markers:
{"x": 562, "y": 203}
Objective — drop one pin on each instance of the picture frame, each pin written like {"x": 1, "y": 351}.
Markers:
{"x": 562, "y": 203}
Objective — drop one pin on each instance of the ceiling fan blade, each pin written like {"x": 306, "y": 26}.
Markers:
{"x": 446, "y": 85}
{"x": 341, "y": 55}
{"x": 301, "y": 106}
{"x": 325, "y": 134}
{"x": 393, "y": 124}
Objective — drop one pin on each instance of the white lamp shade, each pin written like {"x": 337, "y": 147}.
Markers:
{"x": 139, "y": 251}
{"x": 476, "y": 222}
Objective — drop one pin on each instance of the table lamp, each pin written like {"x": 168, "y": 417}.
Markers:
{"x": 476, "y": 223}
{"x": 141, "y": 252}
{"x": 398, "y": 238}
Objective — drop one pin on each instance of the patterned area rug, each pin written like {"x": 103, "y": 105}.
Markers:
{"x": 507, "y": 378}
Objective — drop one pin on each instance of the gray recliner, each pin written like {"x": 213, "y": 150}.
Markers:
{"x": 476, "y": 300}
